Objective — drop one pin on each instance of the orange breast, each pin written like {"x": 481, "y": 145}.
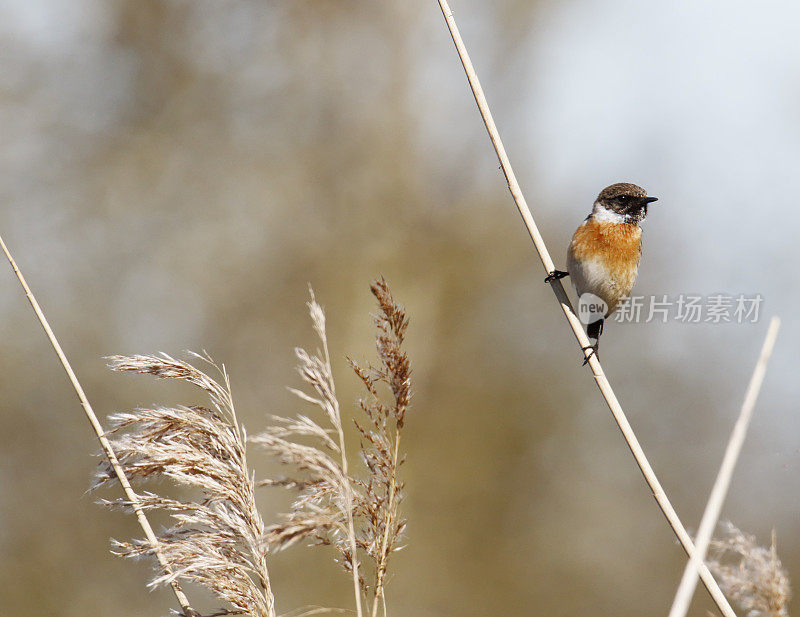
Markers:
{"x": 603, "y": 259}
{"x": 617, "y": 245}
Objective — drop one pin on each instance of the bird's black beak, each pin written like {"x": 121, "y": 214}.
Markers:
{"x": 643, "y": 201}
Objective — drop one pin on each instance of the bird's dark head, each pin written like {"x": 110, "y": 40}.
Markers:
{"x": 624, "y": 202}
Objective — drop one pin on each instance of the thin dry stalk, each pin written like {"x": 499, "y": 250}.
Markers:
{"x": 216, "y": 540}
{"x": 683, "y": 597}
{"x": 383, "y": 491}
{"x": 324, "y": 509}
{"x": 593, "y": 362}
{"x": 318, "y": 319}
{"x": 133, "y": 499}
{"x": 754, "y": 578}
{"x": 332, "y": 507}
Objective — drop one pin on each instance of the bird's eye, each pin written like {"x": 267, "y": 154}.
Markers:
{"x": 623, "y": 198}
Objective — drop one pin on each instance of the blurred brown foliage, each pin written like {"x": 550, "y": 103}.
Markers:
{"x": 177, "y": 172}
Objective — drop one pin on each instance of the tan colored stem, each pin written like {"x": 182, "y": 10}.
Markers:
{"x": 351, "y": 530}
{"x": 683, "y": 597}
{"x": 594, "y": 364}
{"x": 381, "y": 573}
{"x": 104, "y": 443}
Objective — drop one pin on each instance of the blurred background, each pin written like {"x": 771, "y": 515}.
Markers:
{"x": 174, "y": 174}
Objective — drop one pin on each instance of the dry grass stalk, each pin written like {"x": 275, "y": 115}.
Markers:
{"x": 215, "y": 541}
{"x": 577, "y": 329}
{"x": 383, "y": 490}
{"x": 324, "y": 508}
{"x": 332, "y": 507}
{"x": 750, "y": 574}
{"x": 132, "y": 498}
{"x": 688, "y": 584}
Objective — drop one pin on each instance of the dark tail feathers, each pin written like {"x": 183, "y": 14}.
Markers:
{"x": 595, "y": 329}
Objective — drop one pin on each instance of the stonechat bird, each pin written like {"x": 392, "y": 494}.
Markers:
{"x": 603, "y": 257}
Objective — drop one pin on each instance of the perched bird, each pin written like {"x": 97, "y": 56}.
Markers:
{"x": 603, "y": 257}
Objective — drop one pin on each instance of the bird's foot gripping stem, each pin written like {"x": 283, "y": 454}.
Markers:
{"x": 592, "y": 351}
{"x": 555, "y": 275}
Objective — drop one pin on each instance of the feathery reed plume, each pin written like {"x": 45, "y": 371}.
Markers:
{"x": 332, "y": 507}
{"x": 383, "y": 491}
{"x": 324, "y": 509}
{"x": 755, "y": 578}
{"x": 215, "y": 541}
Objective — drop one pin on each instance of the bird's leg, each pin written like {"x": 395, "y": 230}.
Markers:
{"x": 593, "y": 330}
{"x": 555, "y": 275}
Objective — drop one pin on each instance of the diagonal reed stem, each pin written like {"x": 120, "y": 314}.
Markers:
{"x": 597, "y": 370}
{"x": 683, "y": 597}
{"x": 188, "y": 611}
